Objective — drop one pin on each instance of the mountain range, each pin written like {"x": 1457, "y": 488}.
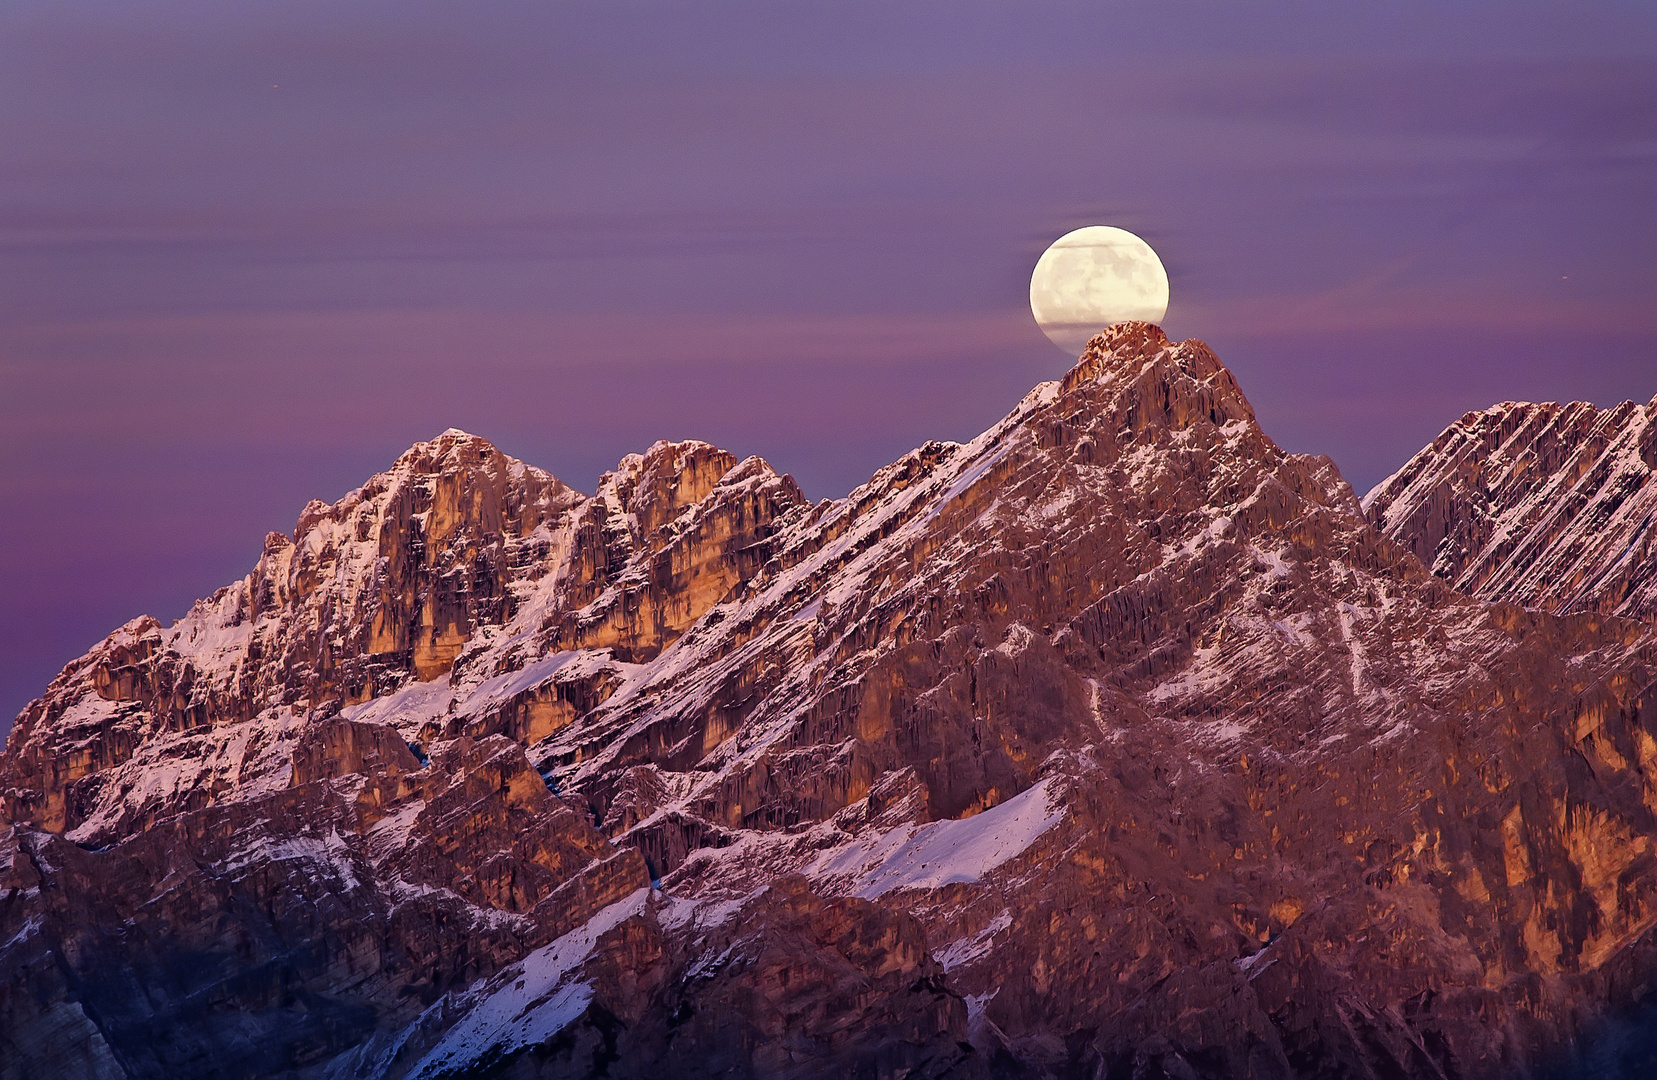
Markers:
{"x": 1114, "y": 743}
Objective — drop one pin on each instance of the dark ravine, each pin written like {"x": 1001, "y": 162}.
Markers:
{"x": 1114, "y": 743}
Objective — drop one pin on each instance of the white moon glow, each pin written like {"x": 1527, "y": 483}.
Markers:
{"x": 1094, "y": 277}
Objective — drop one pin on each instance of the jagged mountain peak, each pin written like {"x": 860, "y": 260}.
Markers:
{"x": 1115, "y": 740}
{"x": 455, "y": 450}
{"x": 658, "y": 485}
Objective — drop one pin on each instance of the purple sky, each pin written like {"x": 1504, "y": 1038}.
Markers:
{"x": 249, "y": 253}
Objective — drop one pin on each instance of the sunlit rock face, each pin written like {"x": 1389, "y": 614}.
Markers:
{"x": 1552, "y": 506}
{"x": 1115, "y": 742}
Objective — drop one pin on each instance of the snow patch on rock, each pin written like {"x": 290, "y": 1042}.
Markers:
{"x": 528, "y": 1002}
{"x": 942, "y": 852}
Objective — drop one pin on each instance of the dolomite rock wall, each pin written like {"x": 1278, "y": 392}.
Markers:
{"x": 1114, "y": 742}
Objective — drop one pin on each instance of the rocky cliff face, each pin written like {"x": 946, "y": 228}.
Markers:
{"x": 1552, "y": 506}
{"x": 1115, "y": 742}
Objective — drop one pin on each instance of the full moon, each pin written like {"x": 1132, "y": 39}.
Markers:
{"x": 1094, "y": 277}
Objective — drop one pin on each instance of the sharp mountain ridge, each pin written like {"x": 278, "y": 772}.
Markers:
{"x": 1548, "y": 505}
{"x": 1116, "y": 742}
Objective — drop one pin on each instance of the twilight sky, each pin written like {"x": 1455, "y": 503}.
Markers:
{"x": 250, "y": 252}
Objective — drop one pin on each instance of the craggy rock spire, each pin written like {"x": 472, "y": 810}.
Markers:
{"x": 1114, "y": 742}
